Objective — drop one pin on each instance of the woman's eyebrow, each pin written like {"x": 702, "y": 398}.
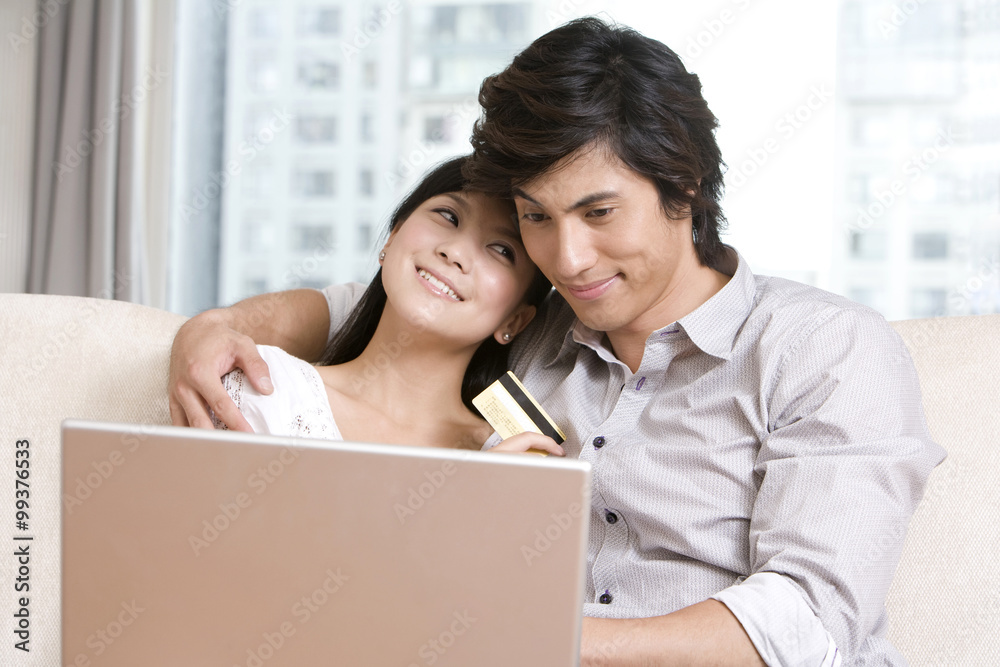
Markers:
{"x": 462, "y": 202}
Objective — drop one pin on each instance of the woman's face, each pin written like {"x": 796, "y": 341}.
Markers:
{"x": 457, "y": 266}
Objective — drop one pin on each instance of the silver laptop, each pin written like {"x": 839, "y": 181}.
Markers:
{"x": 191, "y": 547}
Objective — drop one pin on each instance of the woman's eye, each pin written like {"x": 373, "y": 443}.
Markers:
{"x": 448, "y": 215}
{"x": 505, "y": 251}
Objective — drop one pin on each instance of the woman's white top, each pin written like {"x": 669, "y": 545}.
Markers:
{"x": 298, "y": 406}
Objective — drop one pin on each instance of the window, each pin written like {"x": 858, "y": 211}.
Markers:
{"x": 316, "y": 129}
{"x": 868, "y": 245}
{"x": 263, "y": 23}
{"x": 365, "y": 237}
{"x": 366, "y": 182}
{"x": 262, "y": 71}
{"x": 257, "y": 233}
{"x": 318, "y": 73}
{"x": 930, "y": 245}
{"x": 412, "y": 92}
{"x": 318, "y": 22}
{"x": 368, "y": 127}
{"x": 444, "y": 23}
{"x": 258, "y": 180}
{"x": 369, "y": 74}
{"x": 434, "y": 130}
{"x": 309, "y": 183}
{"x": 312, "y": 237}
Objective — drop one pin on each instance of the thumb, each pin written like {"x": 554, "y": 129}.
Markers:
{"x": 254, "y": 367}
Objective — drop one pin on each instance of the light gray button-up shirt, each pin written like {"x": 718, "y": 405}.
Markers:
{"x": 768, "y": 453}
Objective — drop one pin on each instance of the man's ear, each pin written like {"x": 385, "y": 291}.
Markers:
{"x": 514, "y": 324}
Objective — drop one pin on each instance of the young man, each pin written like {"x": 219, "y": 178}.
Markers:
{"x": 757, "y": 445}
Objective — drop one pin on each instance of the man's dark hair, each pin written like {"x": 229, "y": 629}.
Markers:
{"x": 490, "y": 360}
{"x": 588, "y": 83}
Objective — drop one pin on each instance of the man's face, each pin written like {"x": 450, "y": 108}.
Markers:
{"x": 597, "y": 230}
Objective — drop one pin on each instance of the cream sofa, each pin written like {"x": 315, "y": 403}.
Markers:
{"x": 106, "y": 360}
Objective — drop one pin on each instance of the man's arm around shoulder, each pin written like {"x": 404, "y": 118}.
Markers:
{"x": 211, "y": 344}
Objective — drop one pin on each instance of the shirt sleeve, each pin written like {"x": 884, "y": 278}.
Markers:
{"x": 341, "y": 299}
{"x": 842, "y": 468}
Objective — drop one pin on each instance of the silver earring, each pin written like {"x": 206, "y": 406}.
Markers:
{"x": 381, "y": 256}
{"x": 506, "y": 337}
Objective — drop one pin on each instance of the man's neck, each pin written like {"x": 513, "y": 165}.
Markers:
{"x": 693, "y": 289}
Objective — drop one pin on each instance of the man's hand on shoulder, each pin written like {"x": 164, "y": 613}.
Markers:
{"x": 206, "y": 348}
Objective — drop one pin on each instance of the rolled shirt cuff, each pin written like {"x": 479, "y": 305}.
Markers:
{"x": 782, "y": 627}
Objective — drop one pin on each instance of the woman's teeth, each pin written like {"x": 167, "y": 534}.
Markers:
{"x": 440, "y": 285}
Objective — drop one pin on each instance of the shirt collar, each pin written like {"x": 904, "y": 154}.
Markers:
{"x": 712, "y": 326}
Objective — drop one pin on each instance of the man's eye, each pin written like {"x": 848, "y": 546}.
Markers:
{"x": 600, "y": 212}
{"x": 533, "y": 217}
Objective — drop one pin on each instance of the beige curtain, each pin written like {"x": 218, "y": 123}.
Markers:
{"x": 101, "y": 148}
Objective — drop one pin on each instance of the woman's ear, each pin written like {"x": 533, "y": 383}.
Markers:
{"x": 514, "y": 324}
{"x": 385, "y": 246}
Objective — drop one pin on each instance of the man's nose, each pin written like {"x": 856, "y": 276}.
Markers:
{"x": 574, "y": 250}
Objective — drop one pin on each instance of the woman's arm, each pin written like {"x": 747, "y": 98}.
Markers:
{"x": 215, "y": 342}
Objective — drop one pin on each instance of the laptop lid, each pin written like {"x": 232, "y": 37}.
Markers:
{"x": 192, "y": 547}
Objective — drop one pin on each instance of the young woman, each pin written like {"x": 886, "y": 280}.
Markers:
{"x": 454, "y": 287}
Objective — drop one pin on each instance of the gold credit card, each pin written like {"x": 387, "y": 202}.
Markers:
{"x": 510, "y": 410}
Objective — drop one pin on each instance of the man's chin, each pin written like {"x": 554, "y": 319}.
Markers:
{"x": 604, "y": 318}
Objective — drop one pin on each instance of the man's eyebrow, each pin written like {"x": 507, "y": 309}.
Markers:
{"x": 518, "y": 192}
{"x": 581, "y": 203}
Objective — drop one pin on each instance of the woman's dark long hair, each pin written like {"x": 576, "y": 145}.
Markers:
{"x": 490, "y": 360}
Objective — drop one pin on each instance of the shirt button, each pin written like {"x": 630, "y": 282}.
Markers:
{"x": 605, "y": 598}
{"x": 599, "y": 442}
{"x": 611, "y": 517}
